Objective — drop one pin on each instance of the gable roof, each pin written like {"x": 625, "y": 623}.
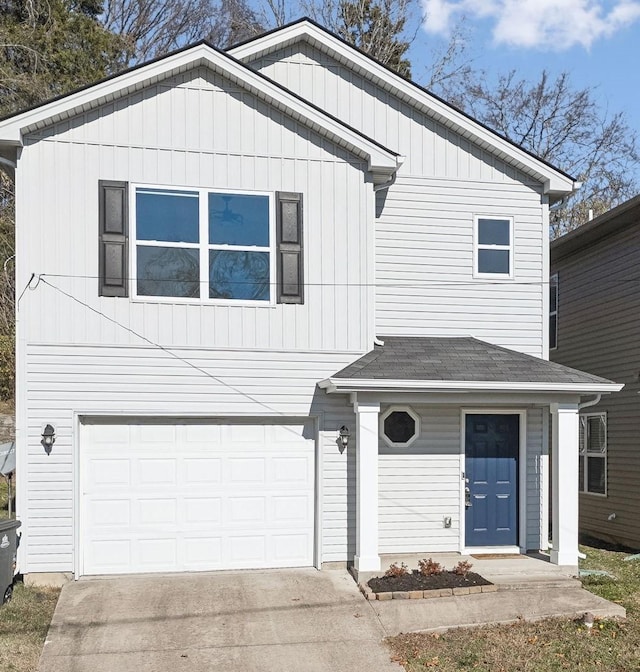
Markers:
{"x": 382, "y": 162}
{"x": 556, "y": 182}
{"x": 624, "y": 215}
{"x": 458, "y": 363}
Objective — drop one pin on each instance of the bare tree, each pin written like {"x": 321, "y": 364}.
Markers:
{"x": 152, "y": 28}
{"x": 566, "y": 127}
{"x": 383, "y": 29}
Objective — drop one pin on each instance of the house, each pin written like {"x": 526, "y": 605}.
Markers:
{"x": 280, "y": 307}
{"x": 595, "y": 302}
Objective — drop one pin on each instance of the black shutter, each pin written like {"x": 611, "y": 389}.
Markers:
{"x": 290, "y": 247}
{"x": 113, "y": 242}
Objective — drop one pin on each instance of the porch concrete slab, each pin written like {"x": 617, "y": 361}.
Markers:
{"x": 260, "y": 620}
{"x": 504, "y": 606}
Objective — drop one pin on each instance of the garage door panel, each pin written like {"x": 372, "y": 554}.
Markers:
{"x": 195, "y": 503}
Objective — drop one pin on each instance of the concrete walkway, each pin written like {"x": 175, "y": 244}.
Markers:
{"x": 529, "y": 588}
{"x": 284, "y": 621}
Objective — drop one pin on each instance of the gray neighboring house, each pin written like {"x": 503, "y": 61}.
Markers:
{"x": 595, "y": 304}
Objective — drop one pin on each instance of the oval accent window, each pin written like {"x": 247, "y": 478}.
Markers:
{"x": 400, "y": 426}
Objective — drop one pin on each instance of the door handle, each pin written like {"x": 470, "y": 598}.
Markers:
{"x": 467, "y": 498}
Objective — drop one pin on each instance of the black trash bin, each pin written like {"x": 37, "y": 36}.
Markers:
{"x": 8, "y": 549}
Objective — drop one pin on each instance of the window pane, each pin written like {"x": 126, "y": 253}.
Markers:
{"x": 168, "y": 271}
{"x": 596, "y": 434}
{"x": 238, "y": 219}
{"x": 399, "y": 427}
{"x": 553, "y": 320}
{"x": 494, "y": 232}
{"x": 581, "y": 473}
{"x": 493, "y": 261}
{"x": 595, "y": 475}
{"x": 171, "y": 216}
{"x": 553, "y": 295}
{"x": 239, "y": 275}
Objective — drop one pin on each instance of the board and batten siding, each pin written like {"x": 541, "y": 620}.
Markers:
{"x": 424, "y": 231}
{"x": 598, "y": 332}
{"x": 195, "y": 130}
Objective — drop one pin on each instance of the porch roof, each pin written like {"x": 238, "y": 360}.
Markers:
{"x": 459, "y": 363}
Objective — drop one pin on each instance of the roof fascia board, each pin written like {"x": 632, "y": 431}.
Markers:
{"x": 345, "y": 385}
{"x": 554, "y": 182}
{"x": 380, "y": 159}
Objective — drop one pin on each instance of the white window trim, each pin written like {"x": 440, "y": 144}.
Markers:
{"x": 584, "y": 454}
{"x": 476, "y": 246}
{"x": 203, "y": 247}
{"x": 554, "y": 279}
{"x": 405, "y": 409}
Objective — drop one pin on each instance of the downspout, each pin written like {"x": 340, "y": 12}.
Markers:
{"x": 592, "y": 402}
{"x": 385, "y": 185}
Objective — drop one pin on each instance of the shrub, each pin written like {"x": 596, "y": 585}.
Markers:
{"x": 462, "y": 568}
{"x": 429, "y": 567}
{"x": 397, "y": 570}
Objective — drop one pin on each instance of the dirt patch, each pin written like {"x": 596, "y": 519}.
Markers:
{"x": 416, "y": 581}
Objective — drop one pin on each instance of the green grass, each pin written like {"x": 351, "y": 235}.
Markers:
{"x": 24, "y": 623}
{"x": 545, "y": 646}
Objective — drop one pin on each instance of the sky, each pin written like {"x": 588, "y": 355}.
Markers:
{"x": 596, "y": 41}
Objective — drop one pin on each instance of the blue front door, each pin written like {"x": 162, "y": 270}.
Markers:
{"x": 491, "y": 470}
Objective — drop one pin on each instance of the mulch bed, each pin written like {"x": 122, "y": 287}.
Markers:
{"x": 416, "y": 581}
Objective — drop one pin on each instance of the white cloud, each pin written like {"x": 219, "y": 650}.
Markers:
{"x": 546, "y": 24}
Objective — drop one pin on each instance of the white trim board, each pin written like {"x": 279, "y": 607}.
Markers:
{"x": 343, "y": 385}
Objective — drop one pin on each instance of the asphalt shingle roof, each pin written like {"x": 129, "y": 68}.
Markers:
{"x": 461, "y": 359}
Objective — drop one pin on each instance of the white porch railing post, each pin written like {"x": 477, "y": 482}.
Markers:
{"x": 367, "y": 558}
{"x": 564, "y": 452}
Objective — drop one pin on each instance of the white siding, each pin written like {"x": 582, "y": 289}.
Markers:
{"x": 536, "y": 475}
{"x": 63, "y": 381}
{"x": 424, "y": 264}
{"x": 424, "y": 235}
{"x": 198, "y": 131}
{"x": 420, "y": 485}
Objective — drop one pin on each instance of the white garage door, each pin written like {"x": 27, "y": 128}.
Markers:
{"x": 189, "y": 496}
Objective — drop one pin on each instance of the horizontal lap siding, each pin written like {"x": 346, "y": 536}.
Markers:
{"x": 424, "y": 233}
{"x": 130, "y": 381}
{"x": 420, "y": 485}
{"x": 598, "y": 328}
{"x": 424, "y": 264}
{"x": 198, "y": 130}
{"x": 537, "y": 477}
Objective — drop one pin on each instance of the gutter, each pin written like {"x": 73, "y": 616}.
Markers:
{"x": 345, "y": 385}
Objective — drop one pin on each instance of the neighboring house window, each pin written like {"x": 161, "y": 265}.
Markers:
{"x": 203, "y": 244}
{"x": 553, "y": 312}
{"x": 493, "y": 254}
{"x": 399, "y": 426}
{"x": 593, "y": 453}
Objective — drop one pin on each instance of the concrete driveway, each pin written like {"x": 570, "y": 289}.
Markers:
{"x": 260, "y": 620}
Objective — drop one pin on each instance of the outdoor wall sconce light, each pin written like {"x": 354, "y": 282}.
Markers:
{"x": 345, "y": 435}
{"x": 48, "y": 438}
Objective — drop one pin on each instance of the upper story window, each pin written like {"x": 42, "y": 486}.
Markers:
{"x": 493, "y": 249}
{"x": 553, "y": 312}
{"x": 203, "y": 244}
{"x": 593, "y": 453}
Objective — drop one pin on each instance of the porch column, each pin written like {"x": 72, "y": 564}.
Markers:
{"x": 367, "y": 558}
{"x": 564, "y": 453}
